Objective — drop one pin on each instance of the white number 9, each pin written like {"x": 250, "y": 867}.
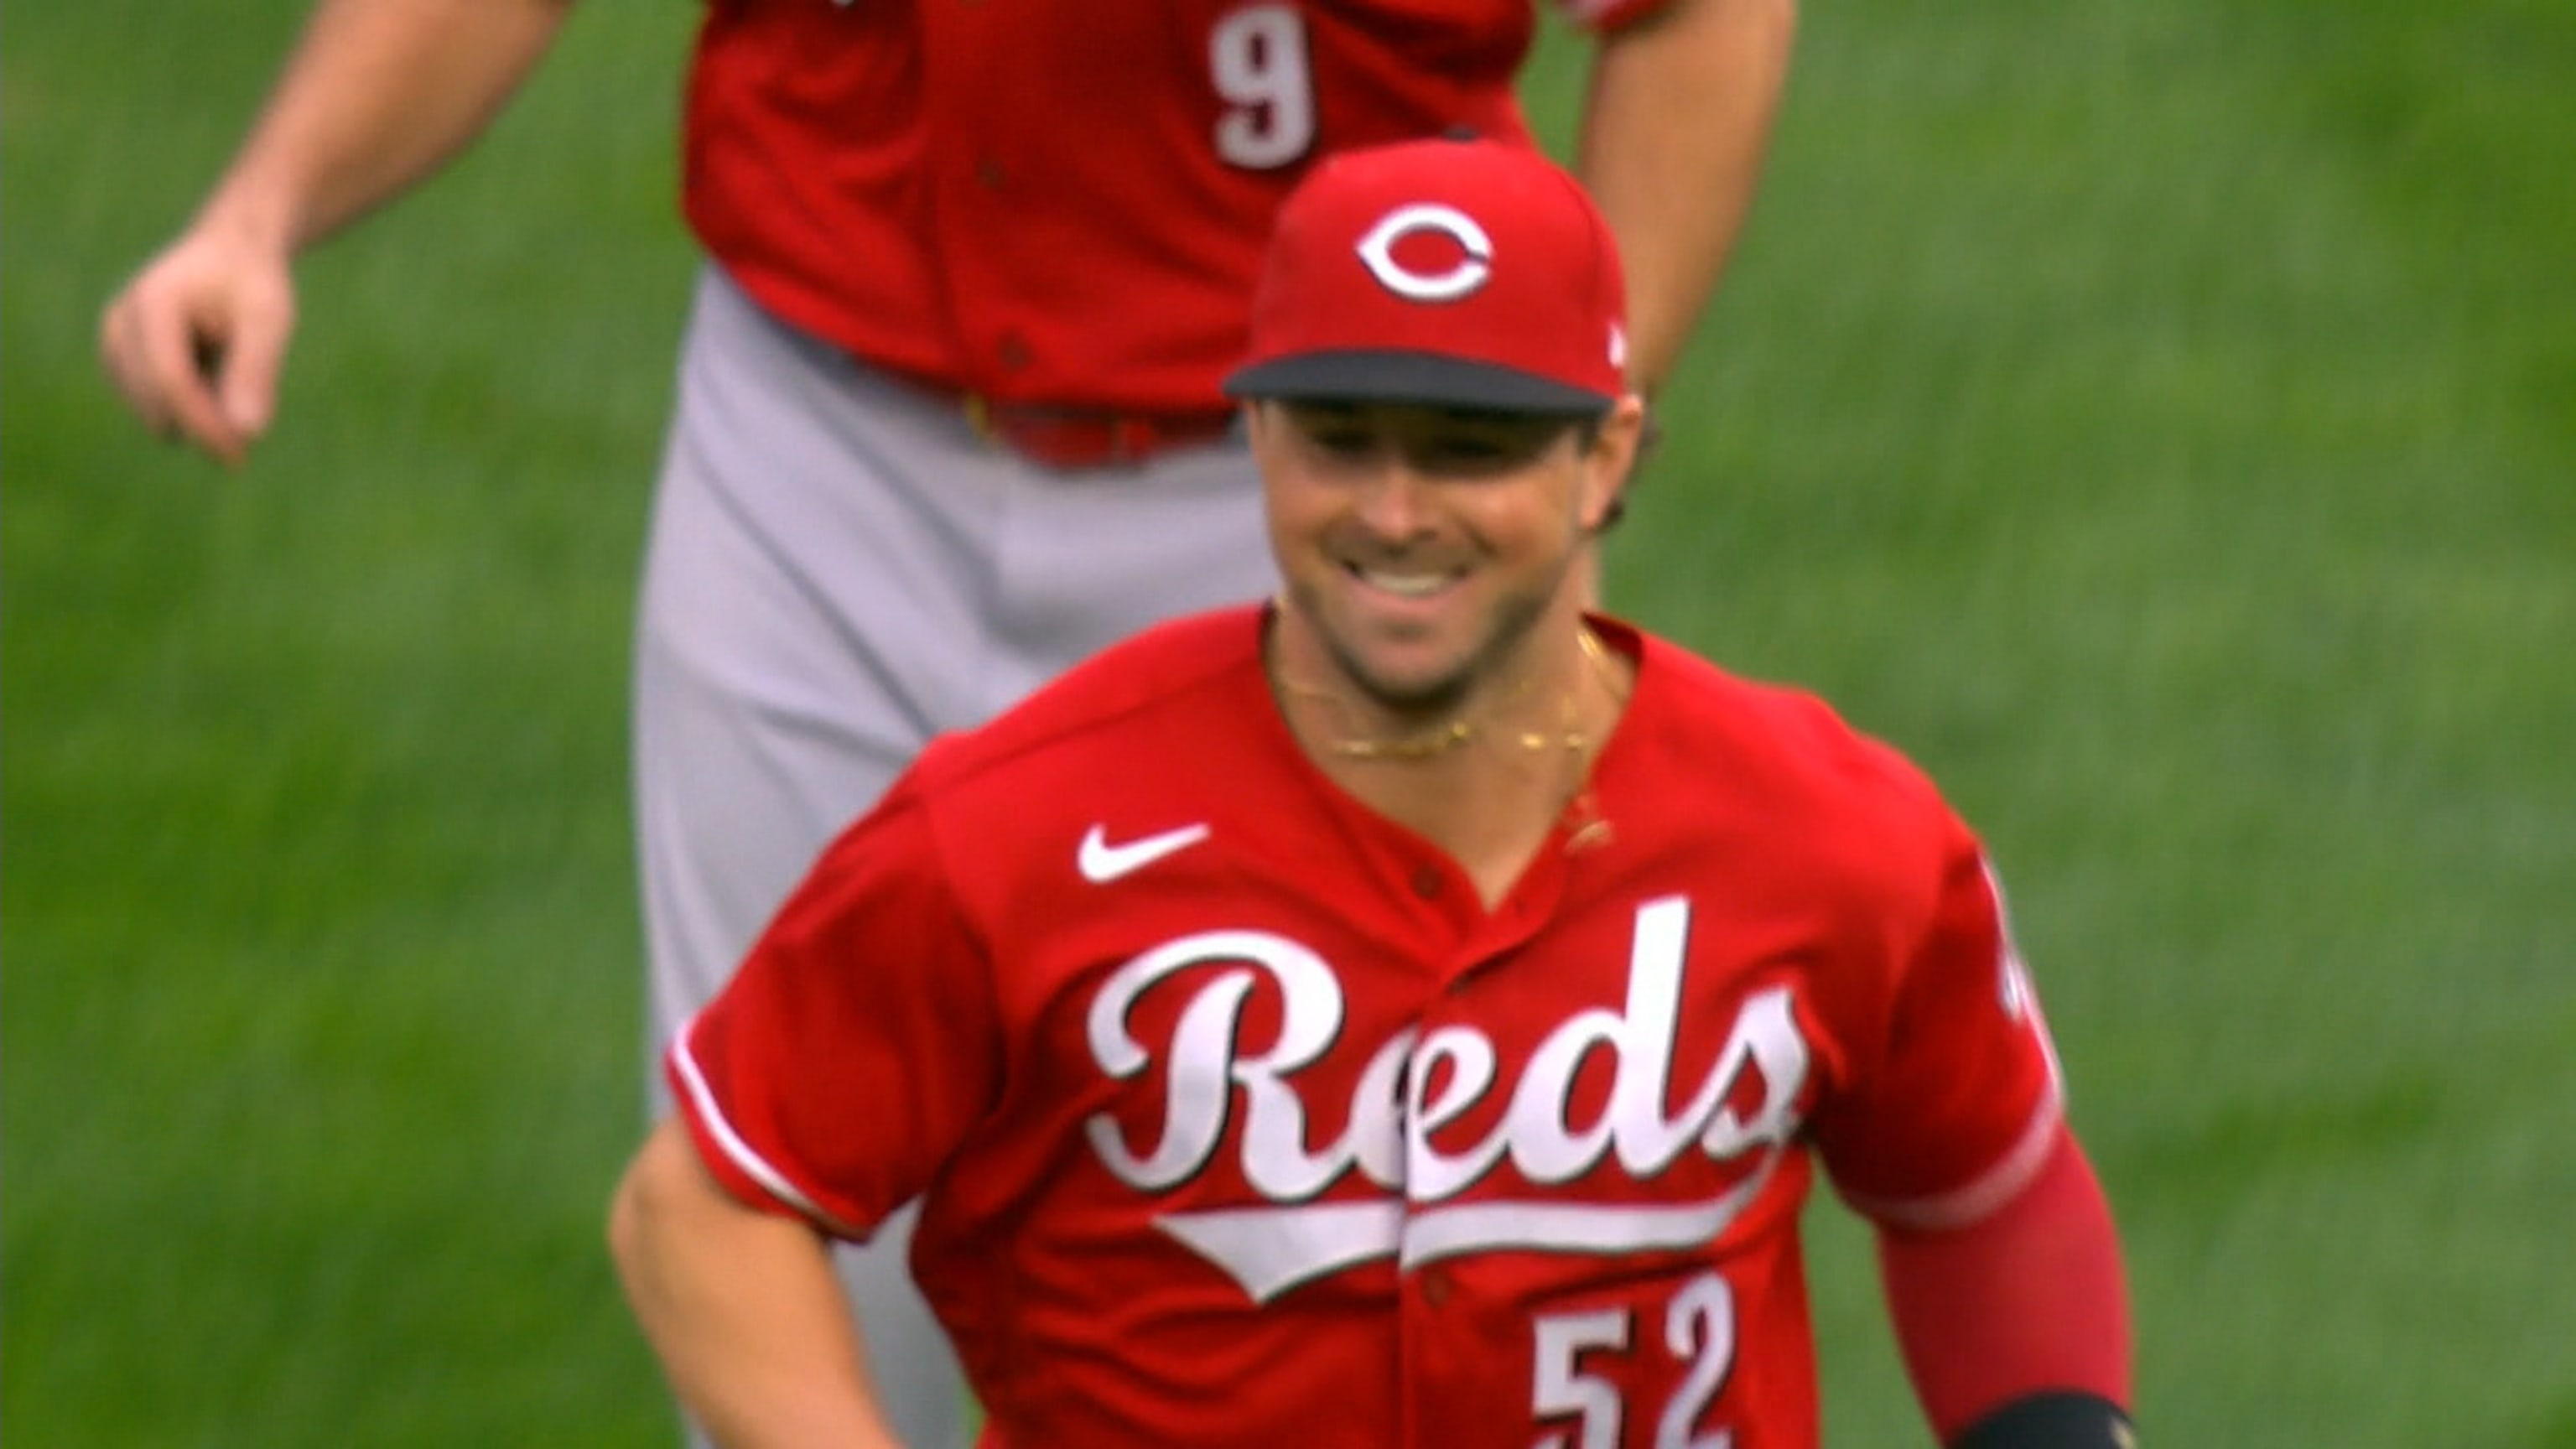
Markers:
{"x": 1257, "y": 61}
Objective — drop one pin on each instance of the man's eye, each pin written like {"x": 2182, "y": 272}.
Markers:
{"x": 1475, "y": 453}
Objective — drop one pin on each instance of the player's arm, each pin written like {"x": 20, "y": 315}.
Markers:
{"x": 1674, "y": 129}
{"x": 1947, "y": 1128}
{"x": 2015, "y": 1327}
{"x": 376, "y": 96}
{"x": 741, "y": 1305}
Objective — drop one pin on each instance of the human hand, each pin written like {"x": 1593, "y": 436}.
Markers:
{"x": 195, "y": 340}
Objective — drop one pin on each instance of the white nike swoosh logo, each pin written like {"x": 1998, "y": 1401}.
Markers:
{"x": 1102, "y": 862}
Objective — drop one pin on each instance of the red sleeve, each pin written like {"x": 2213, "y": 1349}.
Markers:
{"x": 856, "y": 1046}
{"x": 1950, "y": 1097}
{"x": 2026, "y": 1300}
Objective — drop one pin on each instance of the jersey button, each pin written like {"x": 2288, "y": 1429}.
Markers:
{"x": 1014, "y": 353}
{"x": 1426, "y": 882}
{"x": 989, "y": 174}
{"x": 1434, "y": 1286}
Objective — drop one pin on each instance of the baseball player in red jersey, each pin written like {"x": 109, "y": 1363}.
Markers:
{"x": 1410, "y": 1012}
{"x": 948, "y": 415}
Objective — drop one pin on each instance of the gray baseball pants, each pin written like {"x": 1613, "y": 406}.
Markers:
{"x": 839, "y": 568}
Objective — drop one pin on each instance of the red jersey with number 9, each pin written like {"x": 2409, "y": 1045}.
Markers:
{"x": 1058, "y": 201}
{"x": 1239, "y": 1119}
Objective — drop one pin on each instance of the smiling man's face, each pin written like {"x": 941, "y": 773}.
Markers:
{"x": 1421, "y": 545}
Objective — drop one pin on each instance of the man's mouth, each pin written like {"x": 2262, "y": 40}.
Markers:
{"x": 1404, "y": 584}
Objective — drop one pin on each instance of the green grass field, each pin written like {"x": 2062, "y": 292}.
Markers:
{"x": 2159, "y": 418}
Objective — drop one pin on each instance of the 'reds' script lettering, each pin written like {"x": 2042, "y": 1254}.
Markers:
{"x": 1395, "y": 1111}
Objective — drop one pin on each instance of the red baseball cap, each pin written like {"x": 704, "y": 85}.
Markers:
{"x": 1451, "y": 272}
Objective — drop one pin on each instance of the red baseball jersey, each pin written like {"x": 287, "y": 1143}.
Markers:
{"x": 1058, "y": 202}
{"x": 1240, "y": 1120}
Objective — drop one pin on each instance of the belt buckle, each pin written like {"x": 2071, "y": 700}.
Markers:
{"x": 1072, "y": 440}
{"x": 1069, "y": 441}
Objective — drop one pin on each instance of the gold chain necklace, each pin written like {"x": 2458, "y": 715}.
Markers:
{"x": 1441, "y": 738}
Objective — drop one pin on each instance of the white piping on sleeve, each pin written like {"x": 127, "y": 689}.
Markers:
{"x": 703, "y": 1101}
{"x": 1990, "y": 1189}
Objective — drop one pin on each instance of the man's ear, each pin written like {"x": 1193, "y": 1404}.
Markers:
{"x": 1260, "y": 424}
{"x": 1609, "y": 461}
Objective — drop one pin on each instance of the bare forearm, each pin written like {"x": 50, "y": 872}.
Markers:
{"x": 378, "y": 94}
{"x": 742, "y": 1307}
{"x": 1674, "y": 132}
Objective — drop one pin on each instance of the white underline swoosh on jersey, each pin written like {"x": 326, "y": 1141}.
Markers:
{"x": 1102, "y": 862}
{"x": 1269, "y": 1250}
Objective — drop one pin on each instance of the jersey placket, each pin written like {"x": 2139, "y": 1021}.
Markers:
{"x": 1479, "y": 942}
{"x": 969, "y": 193}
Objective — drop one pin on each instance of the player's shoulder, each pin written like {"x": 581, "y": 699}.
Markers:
{"x": 1783, "y": 748}
{"x": 1150, "y": 686}
{"x": 1608, "y": 16}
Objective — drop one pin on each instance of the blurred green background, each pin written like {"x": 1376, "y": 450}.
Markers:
{"x": 2157, "y": 418}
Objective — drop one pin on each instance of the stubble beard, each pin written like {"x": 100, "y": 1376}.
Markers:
{"x": 1492, "y": 665}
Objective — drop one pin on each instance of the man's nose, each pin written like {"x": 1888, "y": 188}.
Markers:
{"x": 1396, "y": 499}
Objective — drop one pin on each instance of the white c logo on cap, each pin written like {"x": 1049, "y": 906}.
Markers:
{"x": 1377, "y": 252}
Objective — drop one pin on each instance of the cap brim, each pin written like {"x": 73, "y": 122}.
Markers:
{"x": 1412, "y": 377}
